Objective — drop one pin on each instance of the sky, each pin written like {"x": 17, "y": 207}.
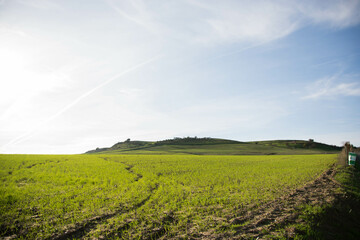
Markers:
{"x": 76, "y": 75}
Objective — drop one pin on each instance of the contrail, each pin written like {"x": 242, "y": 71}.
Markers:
{"x": 28, "y": 134}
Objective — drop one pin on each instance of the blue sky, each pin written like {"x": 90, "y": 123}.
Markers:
{"x": 76, "y": 75}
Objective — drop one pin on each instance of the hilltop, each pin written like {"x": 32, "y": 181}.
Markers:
{"x": 216, "y": 146}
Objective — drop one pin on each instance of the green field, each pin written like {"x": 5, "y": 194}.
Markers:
{"x": 141, "y": 196}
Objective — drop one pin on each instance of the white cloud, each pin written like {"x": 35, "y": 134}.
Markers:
{"x": 331, "y": 87}
{"x": 217, "y": 22}
{"x": 254, "y": 21}
{"x": 211, "y": 22}
{"x": 337, "y": 13}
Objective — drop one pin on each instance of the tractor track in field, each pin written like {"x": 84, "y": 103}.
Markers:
{"x": 84, "y": 228}
{"x": 259, "y": 222}
{"x": 42, "y": 163}
{"x": 87, "y": 226}
{"x": 128, "y": 168}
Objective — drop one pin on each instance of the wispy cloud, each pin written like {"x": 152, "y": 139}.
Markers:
{"x": 135, "y": 11}
{"x": 331, "y": 87}
{"x": 248, "y": 20}
{"x": 40, "y": 4}
{"x": 213, "y": 22}
{"x": 337, "y": 13}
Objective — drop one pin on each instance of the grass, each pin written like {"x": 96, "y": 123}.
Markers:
{"x": 140, "y": 196}
{"x": 221, "y": 149}
{"x": 212, "y": 146}
{"x": 338, "y": 220}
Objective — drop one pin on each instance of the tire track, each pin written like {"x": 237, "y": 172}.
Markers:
{"x": 129, "y": 168}
{"x": 283, "y": 211}
{"x": 87, "y": 226}
{"x": 46, "y": 162}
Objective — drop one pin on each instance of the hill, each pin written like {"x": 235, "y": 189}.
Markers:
{"x": 215, "y": 146}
